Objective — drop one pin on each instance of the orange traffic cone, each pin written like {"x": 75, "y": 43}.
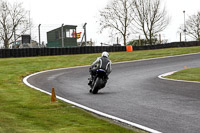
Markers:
{"x": 185, "y": 67}
{"x": 53, "y": 96}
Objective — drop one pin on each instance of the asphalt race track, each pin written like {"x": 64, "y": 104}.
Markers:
{"x": 135, "y": 93}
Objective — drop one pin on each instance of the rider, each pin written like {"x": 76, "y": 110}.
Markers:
{"x": 102, "y": 62}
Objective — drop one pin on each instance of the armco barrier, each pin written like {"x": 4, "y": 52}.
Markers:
{"x": 28, "y": 52}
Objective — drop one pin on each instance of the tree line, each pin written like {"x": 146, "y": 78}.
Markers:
{"x": 144, "y": 17}
{"x": 13, "y": 22}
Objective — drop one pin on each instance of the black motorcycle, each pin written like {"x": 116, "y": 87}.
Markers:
{"x": 99, "y": 81}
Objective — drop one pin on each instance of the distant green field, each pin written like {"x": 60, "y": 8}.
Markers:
{"x": 191, "y": 74}
{"x": 26, "y": 110}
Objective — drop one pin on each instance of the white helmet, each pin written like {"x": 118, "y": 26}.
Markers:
{"x": 106, "y": 54}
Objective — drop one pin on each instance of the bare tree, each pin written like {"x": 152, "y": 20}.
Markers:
{"x": 117, "y": 17}
{"x": 192, "y": 26}
{"x": 13, "y": 21}
{"x": 149, "y": 18}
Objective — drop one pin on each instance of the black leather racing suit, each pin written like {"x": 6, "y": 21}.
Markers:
{"x": 100, "y": 63}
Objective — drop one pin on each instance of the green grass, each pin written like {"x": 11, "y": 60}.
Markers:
{"x": 191, "y": 74}
{"x": 23, "y": 109}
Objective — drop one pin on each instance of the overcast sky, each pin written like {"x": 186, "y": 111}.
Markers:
{"x": 52, "y": 13}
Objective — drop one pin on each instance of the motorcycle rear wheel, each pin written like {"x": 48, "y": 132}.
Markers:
{"x": 95, "y": 88}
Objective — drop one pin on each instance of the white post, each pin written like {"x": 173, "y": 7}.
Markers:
{"x": 62, "y": 36}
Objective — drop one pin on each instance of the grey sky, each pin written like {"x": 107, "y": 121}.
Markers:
{"x": 52, "y": 13}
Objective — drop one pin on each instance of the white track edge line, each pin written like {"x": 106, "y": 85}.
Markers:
{"x": 116, "y": 63}
{"x": 89, "y": 109}
{"x": 162, "y": 76}
{"x": 156, "y": 58}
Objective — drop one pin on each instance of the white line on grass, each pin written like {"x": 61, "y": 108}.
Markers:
{"x": 162, "y": 76}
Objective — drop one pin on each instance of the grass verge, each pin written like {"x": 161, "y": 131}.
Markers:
{"x": 26, "y": 110}
{"x": 191, "y": 74}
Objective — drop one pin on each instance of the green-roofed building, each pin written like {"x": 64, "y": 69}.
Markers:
{"x": 54, "y": 37}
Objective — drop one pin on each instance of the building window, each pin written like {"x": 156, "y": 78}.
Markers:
{"x": 70, "y": 33}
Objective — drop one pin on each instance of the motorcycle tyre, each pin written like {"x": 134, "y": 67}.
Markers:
{"x": 95, "y": 88}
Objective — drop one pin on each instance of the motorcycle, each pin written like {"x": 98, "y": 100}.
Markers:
{"x": 99, "y": 81}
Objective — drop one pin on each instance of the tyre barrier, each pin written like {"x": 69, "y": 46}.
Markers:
{"x": 29, "y": 52}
